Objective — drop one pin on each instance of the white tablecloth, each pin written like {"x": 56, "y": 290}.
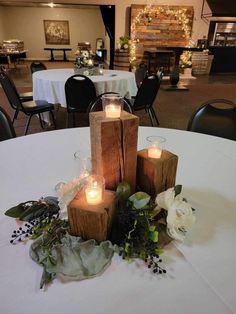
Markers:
{"x": 201, "y": 272}
{"x": 49, "y": 84}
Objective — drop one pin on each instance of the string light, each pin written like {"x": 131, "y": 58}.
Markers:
{"x": 146, "y": 15}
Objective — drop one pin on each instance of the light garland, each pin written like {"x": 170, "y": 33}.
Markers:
{"x": 147, "y": 14}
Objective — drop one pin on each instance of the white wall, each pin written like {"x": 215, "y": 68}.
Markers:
{"x": 33, "y": 17}
{"x": 200, "y": 27}
{"x": 84, "y": 25}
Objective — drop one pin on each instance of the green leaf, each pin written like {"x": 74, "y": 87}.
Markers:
{"x": 123, "y": 191}
{"x": 140, "y": 199}
{"x": 17, "y": 211}
{"x": 153, "y": 234}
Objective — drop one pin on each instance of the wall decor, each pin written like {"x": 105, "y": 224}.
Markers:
{"x": 153, "y": 26}
{"x": 56, "y": 32}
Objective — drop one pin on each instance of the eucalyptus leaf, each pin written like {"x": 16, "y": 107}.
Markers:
{"x": 123, "y": 191}
{"x": 73, "y": 258}
{"x": 140, "y": 199}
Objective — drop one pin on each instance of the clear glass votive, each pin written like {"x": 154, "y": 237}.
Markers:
{"x": 83, "y": 165}
{"x": 156, "y": 145}
{"x": 100, "y": 68}
{"x": 94, "y": 189}
{"x": 112, "y": 105}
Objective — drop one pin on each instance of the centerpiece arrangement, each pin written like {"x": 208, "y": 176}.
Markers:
{"x": 84, "y": 64}
{"x": 186, "y": 62}
{"x": 110, "y": 210}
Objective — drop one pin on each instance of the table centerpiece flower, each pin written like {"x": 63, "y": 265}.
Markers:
{"x": 141, "y": 229}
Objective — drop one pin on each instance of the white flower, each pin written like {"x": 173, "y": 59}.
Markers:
{"x": 180, "y": 215}
{"x": 66, "y": 194}
{"x": 126, "y": 46}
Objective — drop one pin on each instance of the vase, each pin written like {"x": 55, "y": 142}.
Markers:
{"x": 188, "y": 71}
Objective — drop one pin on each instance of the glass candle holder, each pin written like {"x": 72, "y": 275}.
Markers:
{"x": 112, "y": 105}
{"x": 100, "y": 68}
{"x": 155, "y": 146}
{"x": 94, "y": 189}
{"x": 83, "y": 165}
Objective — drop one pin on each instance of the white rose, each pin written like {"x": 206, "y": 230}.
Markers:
{"x": 180, "y": 215}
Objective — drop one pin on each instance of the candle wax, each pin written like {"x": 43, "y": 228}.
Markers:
{"x": 93, "y": 195}
{"x": 154, "y": 152}
{"x": 113, "y": 111}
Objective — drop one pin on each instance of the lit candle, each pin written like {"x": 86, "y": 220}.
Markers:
{"x": 112, "y": 111}
{"x": 94, "y": 194}
{"x": 156, "y": 146}
{"x": 154, "y": 151}
{"x": 94, "y": 189}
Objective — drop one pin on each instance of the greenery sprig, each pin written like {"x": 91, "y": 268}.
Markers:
{"x": 137, "y": 226}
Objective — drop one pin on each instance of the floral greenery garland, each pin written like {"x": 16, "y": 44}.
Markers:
{"x": 141, "y": 228}
{"x": 147, "y": 14}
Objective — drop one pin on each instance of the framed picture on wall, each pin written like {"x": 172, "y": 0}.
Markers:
{"x": 56, "y": 32}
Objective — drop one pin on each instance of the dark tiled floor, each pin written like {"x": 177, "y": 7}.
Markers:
{"x": 173, "y": 109}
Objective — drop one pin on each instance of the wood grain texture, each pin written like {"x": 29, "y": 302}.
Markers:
{"x": 159, "y": 30}
{"x": 156, "y": 175}
{"x": 114, "y": 148}
{"x": 91, "y": 221}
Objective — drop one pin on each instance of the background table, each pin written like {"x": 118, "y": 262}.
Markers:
{"x": 49, "y": 84}
{"x": 201, "y": 272}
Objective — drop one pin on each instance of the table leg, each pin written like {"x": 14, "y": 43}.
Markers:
{"x": 52, "y": 57}
{"x": 64, "y": 55}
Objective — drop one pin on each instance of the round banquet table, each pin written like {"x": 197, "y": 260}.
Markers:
{"x": 49, "y": 84}
{"x": 201, "y": 272}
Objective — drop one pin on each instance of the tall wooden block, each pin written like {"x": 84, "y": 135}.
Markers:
{"x": 114, "y": 148}
{"x": 91, "y": 221}
{"x": 156, "y": 175}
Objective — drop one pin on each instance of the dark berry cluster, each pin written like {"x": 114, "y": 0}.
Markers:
{"x": 33, "y": 228}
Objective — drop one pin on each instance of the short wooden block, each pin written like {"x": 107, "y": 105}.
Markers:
{"x": 114, "y": 148}
{"x": 91, "y": 221}
{"x": 156, "y": 175}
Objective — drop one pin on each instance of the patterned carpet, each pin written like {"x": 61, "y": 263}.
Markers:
{"x": 173, "y": 109}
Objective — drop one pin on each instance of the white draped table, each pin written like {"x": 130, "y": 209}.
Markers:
{"x": 201, "y": 274}
{"x": 50, "y": 84}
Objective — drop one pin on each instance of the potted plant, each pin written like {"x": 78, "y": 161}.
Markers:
{"x": 186, "y": 62}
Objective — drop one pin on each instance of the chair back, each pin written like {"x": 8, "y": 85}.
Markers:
{"x": 6, "y": 128}
{"x": 80, "y": 92}
{"x": 96, "y": 105}
{"x": 215, "y": 117}
{"x": 10, "y": 91}
{"x": 147, "y": 92}
{"x": 140, "y": 73}
{"x": 37, "y": 66}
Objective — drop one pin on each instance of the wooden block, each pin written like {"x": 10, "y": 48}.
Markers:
{"x": 91, "y": 221}
{"x": 156, "y": 175}
{"x": 114, "y": 148}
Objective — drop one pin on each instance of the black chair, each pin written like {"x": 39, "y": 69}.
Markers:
{"x": 29, "y": 108}
{"x": 6, "y": 128}
{"x": 37, "y": 66}
{"x": 28, "y": 96}
{"x": 140, "y": 73}
{"x": 215, "y": 117}
{"x": 80, "y": 92}
{"x": 146, "y": 95}
{"x": 96, "y": 105}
